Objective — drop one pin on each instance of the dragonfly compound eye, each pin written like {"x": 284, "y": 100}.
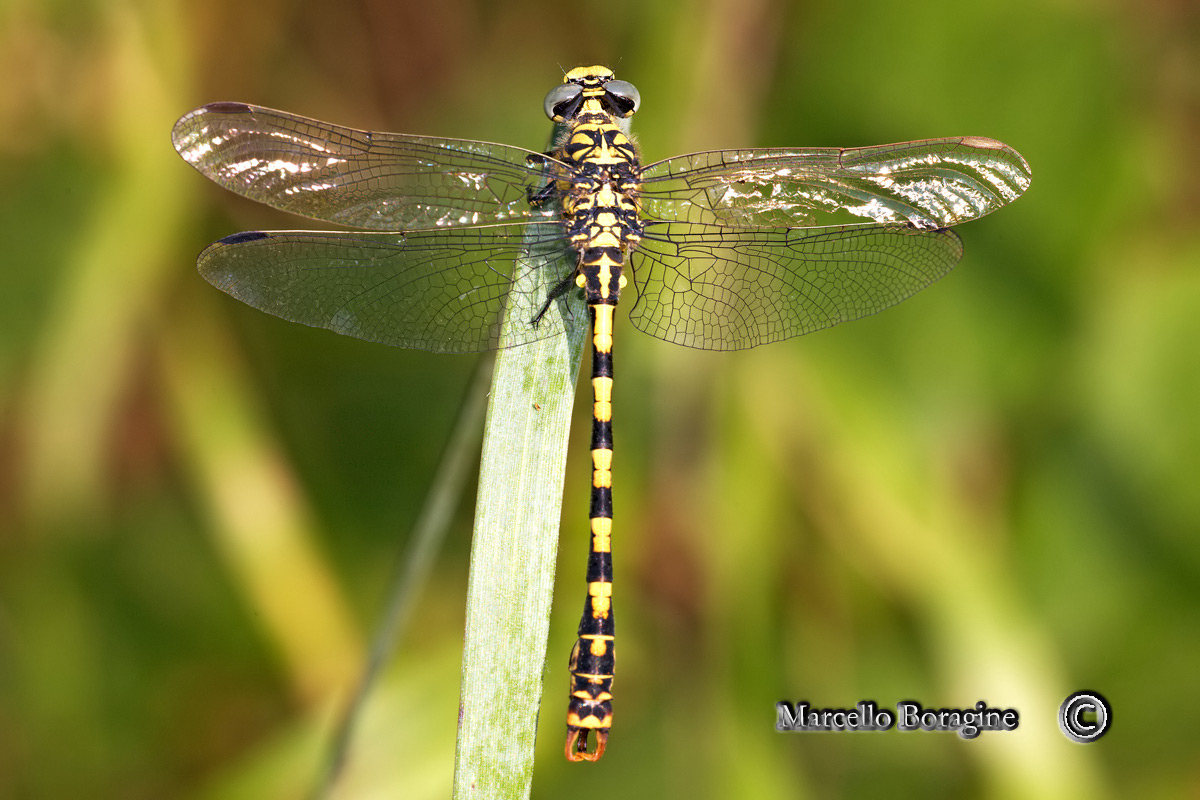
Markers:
{"x": 622, "y": 97}
{"x": 563, "y": 101}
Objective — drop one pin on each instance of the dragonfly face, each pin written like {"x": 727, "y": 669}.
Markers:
{"x": 726, "y": 250}
{"x": 617, "y": 98}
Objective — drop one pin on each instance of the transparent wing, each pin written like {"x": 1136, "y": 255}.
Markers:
{"x": 928, "y": 184}
{"x": 378, "y": 181}
{"x": 442, "y": 291}
{"x": 727, "y": 289}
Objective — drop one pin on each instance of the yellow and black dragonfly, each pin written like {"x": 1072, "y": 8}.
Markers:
{"x": 723, "y": 250}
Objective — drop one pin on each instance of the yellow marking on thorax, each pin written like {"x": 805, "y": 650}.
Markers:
{"x": 599, "y": 150}
{"x": 603, "y": 237}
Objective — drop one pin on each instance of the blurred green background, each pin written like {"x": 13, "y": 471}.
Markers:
{"x": 989, "y": 492}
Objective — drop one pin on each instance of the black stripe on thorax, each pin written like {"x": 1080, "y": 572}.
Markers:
{"x": 593, "y": 255}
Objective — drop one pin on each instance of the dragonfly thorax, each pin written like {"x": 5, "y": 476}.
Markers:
{"x": 600, "y": 202}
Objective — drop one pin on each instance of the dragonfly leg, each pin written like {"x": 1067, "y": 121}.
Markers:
{"x": 565, "y": 285}
{"x": 539, "y": 197}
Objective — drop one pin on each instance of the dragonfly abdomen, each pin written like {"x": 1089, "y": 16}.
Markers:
{"x": 603, "y": 246}
{"x": 592, "y": 659}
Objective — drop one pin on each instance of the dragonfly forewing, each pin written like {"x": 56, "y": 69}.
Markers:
{"x": 927, "y": 184}
{"x": 362, "y": 179}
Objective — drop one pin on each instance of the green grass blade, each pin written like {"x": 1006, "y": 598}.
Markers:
{"x": 512, "y": 556}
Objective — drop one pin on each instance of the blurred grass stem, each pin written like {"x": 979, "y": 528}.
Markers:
{"x": 414, "y": 567}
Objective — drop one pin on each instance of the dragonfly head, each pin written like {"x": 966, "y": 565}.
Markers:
{"x": 591, "y": 90}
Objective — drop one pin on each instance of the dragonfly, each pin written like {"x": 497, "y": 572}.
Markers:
{"x": 722, "y": 250}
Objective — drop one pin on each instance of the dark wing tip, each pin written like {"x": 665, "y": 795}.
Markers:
{"x": 185, "y": 127}
{"x": 226, "y": 108}
{"x": 245, "y": 236}
{"x": 986, "y": 143}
